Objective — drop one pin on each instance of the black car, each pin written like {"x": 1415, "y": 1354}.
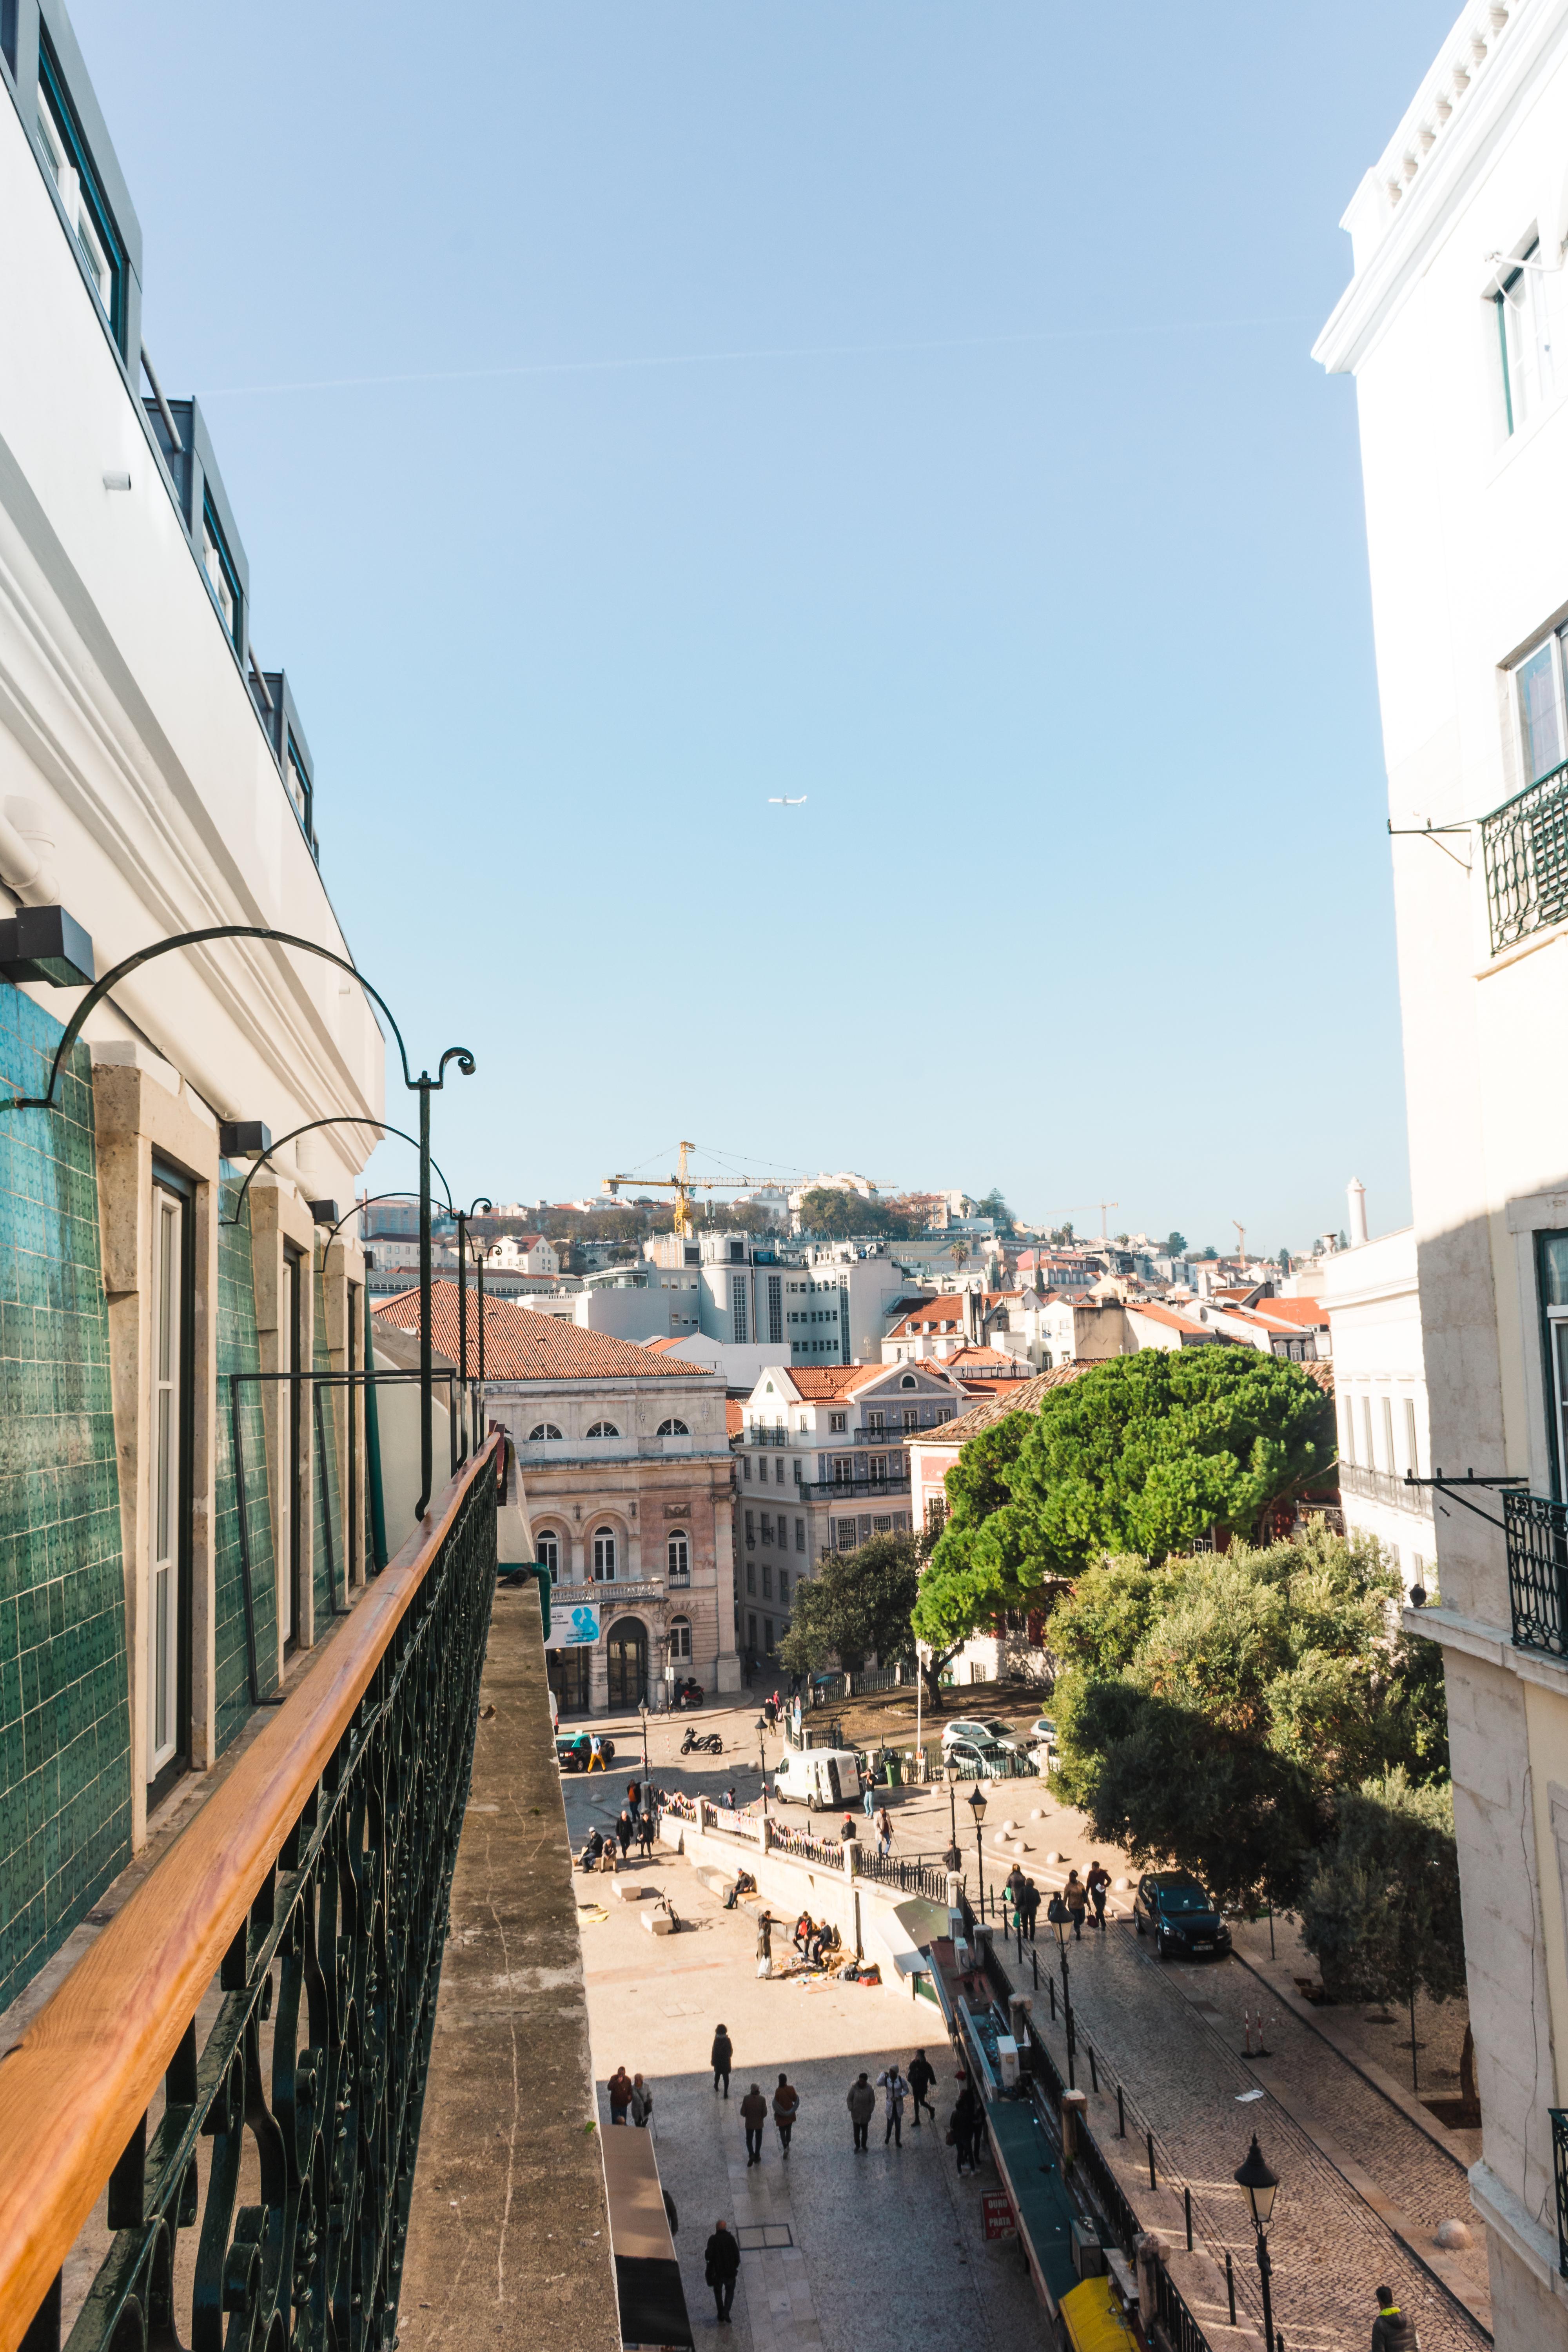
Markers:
{"x": 1172, "y": 1907}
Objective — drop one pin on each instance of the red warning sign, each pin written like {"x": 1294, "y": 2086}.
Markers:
{"x": 997, "y": 2208}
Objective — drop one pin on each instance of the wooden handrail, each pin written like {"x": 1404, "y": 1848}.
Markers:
{"x": 76, "y": 2086}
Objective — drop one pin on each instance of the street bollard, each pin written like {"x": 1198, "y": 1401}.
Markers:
{"x": 1093, "y": 2075}
{"x": 1152, "y": 2183}
{"x": 1230, "y": 2285}
{"x": 1034, "y": 1967}
{"x": 1120, "y": 2116}
{"x": 1187, "y": 2201}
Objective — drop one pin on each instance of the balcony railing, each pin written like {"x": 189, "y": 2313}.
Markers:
{"x": 768, "y": 1436}
{"x": 1524, "y": 846}
{"x": 827, "y": 1488}
{"x": 1384, "y": 1486}
{"x": 884, "y": 1436}
{"x": 1537, "y": 1535}
{"x": 311, "y": 1890}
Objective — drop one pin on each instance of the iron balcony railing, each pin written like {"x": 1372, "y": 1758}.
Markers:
{"x": 829, "y": 1488}
{"x": 1524, "y": 848}
{"x": 1536, "y": 1531}
{"x": 768, "y": 1436}
{"x": 312, "y": 1889}
{"x": 884, "y": 1436}
{"x": 1384, "y": 1486}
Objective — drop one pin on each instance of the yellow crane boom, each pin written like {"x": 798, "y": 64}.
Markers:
{"x": 683, "y": 1186}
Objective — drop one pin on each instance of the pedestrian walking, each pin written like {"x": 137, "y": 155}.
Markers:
{"x": 770, "y": 1711}
{"x": 729, "y": 1805}
{"x": 645, "y": 1832}
{"x": 850, "y": 1830}
{"x": 1099, "y": 1885}
{"x": 721, "y": 2059}
{"x": 620, "y": 2095}
{"x": 626, "y": 1829}
{"x": 640, "y": 2104}
{"x": 862, "y": 2105}
{"x": 786, "y": 2107}
{"x": 1076, "y": 1895}
{"x": 884, "y": 1833}
{"x": 1013, "y": 1887}
{"x": 722, "y": 2268}
{"x": 964, "y": 2128}
{"x": 634, "y": 1798}
{"x": 923, "y": 2074}
{"x": 869, "y": 1796}
{"x": 753, "y": 2114}
{"x": 596, "y": 1753}
{"x": 765, "y": 1943}
{"x": 1030, "y": 1906}
{"x": 1393, "y": 2330}
{"x": 897, "y": 2090}
{"x": 952, "y": 1859}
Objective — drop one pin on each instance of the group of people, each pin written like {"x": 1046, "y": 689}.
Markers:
{"x": 636, "y": 1824}
{"x": 631, "y": 2099}
{"x": 1079, "y": 1894}
{"x": 816, "y": 1940}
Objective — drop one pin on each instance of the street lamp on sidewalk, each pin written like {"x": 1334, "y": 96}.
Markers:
{"x": 1059, "y": 1917}
{"x": 977, "y": 1807}
{"x": 642, "y": 1710}
{"x": 762, "y": 1756}
{"x": 1260, "y": 2185}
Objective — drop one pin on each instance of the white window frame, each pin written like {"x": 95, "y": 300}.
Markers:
{"x": 680, "y": 1638}
{"x": 1524, "y": 339}
{"x": 163, "y": 1518}
{"x": 604, "y": 1555}
{"x": 67, "y": 181}
{"x": 1555, "y": 650}
{"x": 548, "y": 1553}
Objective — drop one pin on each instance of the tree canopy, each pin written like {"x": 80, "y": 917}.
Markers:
{"x": 858, "y": 1602}
{"x": 1176, "y": 1243}
{"x": 1381, "y": 1910}
{"x": 1210, "y": 1711}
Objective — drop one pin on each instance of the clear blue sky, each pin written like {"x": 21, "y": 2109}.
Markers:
{"x": 904, "y": 405}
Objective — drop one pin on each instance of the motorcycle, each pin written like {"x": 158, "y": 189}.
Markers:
{"x": 688, "y": 1692}
{"x": 706, "y": 1743}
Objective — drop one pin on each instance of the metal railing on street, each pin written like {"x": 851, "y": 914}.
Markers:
{"x": 313, "y": 1885}
{"x": 1536, "y": 1532}
{"x": 1171, "y": 2310}
{"x": 822, "y": 1854}
{"x": 1524, "y": 849}
{"x": 927, "y": 1878}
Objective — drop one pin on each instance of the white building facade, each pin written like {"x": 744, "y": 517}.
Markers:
{"x": 1452, "y": 326}
{"x": 1371, "y": 1297}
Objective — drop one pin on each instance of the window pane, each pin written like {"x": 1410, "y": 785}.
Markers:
{"x": 1540, "y": 713}
{"x": 1554, "y": 1268}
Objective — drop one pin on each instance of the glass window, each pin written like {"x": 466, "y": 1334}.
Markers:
{"x": 222, "y": 576}
{"x": 604, "y": 1429}
{"x": 1524, "y": 340}
{"x": 544, "y": 1433}
{"x": 1366, "y": 1432}
{"x": 1541, "y": 732}
{"x": 549, "y": 1554}
{"x": 679, "y": 1558}
{"x": 71, "y": 168}
{"x": 673, "y": 1429}
{"x": 680, "y": 1637}
{"x": 1552, "y": 1256}
{"x": 1388, "y": 1435}
{"x": 783, "y": 1584}
{"x": 604, "y": 1555}
{"x": 800, "y": 1535}
{"x": 164, "y": 1599}
{"x": 1411, "y": 1451}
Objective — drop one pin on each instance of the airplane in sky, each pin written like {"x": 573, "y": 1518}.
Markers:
{"x": 775, "y": 801}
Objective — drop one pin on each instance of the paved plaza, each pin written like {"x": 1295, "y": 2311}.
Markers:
{"x": 1364, "y": 2186}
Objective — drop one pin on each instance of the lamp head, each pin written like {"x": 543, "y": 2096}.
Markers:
{"x": 1259, "y": 2183}
{"x": 977, "y": 1805}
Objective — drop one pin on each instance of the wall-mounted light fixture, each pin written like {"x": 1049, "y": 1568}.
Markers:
{"x": 243, "y": 1138}
{"x": 323, "y": 1212}
{"x": 117, "y": 481}
{"x": 46, "y": 944}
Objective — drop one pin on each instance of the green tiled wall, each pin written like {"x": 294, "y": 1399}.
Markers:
{"x": 330, "y": 1501}
{"x": 239, "y": 1351}
{"x": 65, "y": 1732}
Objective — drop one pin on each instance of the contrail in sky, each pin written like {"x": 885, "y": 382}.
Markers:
{"x": 525, "y": 367}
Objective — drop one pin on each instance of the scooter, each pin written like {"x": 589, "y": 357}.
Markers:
{"x": 688, "y": 1692}
{"x": 706, "y": 1743}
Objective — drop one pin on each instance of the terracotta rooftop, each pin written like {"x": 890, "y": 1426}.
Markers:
{"x": 1017, "y": 1396}
{"x": 523, "y": 1345}
{"x": 1167, "y": 1315}
{"x": 948, "y": 1308}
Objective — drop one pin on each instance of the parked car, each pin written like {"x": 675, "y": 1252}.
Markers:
{"x": 817, "y": 1778}
{"x": 1042, "y": 1732}
{"x": 572, "y": 1750}
{"x": 986, "y": 1754}
{"x": 1172, "y": 1906}
{"x": 968, "y": 1727}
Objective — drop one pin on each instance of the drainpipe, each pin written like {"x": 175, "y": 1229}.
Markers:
{"x": 27, "y": 853}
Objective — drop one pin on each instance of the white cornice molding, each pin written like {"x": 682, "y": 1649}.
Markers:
{"x": 1434, "y": 159}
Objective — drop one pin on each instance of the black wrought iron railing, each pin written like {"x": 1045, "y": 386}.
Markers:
{"x": 830, "y": 1490}
{"x": 822, "y": 1854}
{"x": 927, "y": 1878}
{"x": 311, "y": 1893}
{"x": 1171, "y": 2310}
{"x": 1536, "y": 1530}
{"x": 1524, "y": 848}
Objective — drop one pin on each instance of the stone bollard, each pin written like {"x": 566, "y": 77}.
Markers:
{"x": 1073, "y": 2106}
{"x": 852, "y": 1857}
{"x": 954, "y": 1889}
{"x": 1148, "y": 2253}
{"x": 767, "y": 1834}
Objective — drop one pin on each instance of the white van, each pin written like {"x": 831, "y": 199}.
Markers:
{"x": 817, "y": 1778}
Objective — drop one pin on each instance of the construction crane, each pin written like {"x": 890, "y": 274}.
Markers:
{"x": 1240, "y": 1238}
{"x": 683, "y": 1186}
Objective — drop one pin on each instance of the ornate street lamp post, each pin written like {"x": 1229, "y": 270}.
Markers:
{"x": 977, "y": 1807}
{"x": 1260, "y": 2185}
{"x": 463, "y": 1215}
{"x": 762, "y": 1756}
{"x": 642, "y": 1710}
{"x": 1060, "y": 1918}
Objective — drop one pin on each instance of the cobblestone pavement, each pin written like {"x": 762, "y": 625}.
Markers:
{"x": 1182, "y": 2079}
{"x": 882, "y": 2246}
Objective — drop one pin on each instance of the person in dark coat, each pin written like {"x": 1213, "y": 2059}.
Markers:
{"x": 1393, "y": 2330}
{"x": 862, "y": 2105}
{"x": 645, "y": 1832}
{"x": 670, "y": 2215}
{"x": 753, "y": 2114}
{"x": 920, "y": 2077}
{"x": 722, "y": 2268}
{"x": 721, "y": 2059}
{"x": 1028, "y": 1908}
{"x": 626, "y": 1829}
{"x": 786, "y": 2107}
{"x": 966, "y": 2127}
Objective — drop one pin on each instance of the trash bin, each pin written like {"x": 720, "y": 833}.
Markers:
{"x": 895, "y": 1764}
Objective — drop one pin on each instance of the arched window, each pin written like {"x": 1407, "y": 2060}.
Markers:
{"x": 680, "y": 1637}
{"x": 604, "y": 1429}
{"x": 604, "y": 1555}
{"x": 549, "y": 1545}
{"x": 543, "y": 1431}
{"x": 908, "y": 1381}
{"x": 679, "y": 1557}
{"x": 673, "y": 1429}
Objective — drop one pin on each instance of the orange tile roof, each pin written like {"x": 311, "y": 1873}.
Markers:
{"x": 734, "y": 1417}
{"x": 948, "y": 1308}
{"x": 978, "y": 1360}
{"x": 1017, "y": 1396}
{"x": 523, "y": 1345}
{"x": 1158, "y": 1314}
{"x": 1308, "y": 1311}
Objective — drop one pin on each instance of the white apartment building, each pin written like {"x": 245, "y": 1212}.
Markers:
{"x": 1380, "y": 1389}
{"x": 1453, "y": 326}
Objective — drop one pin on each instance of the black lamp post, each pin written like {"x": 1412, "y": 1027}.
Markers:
{"x": 463, "y": 1215}
{"x": 1059, "y": 1917}
{"x": 45, "y": 944}
{"x": 642, "y": 1710}
{"x": 762, "y": 1756}
{"x": 977, "y": 1807}
{"x": 1260, "y": 2185}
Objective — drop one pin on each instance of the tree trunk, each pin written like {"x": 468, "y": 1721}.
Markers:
{"x": 931, "y": 1675}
